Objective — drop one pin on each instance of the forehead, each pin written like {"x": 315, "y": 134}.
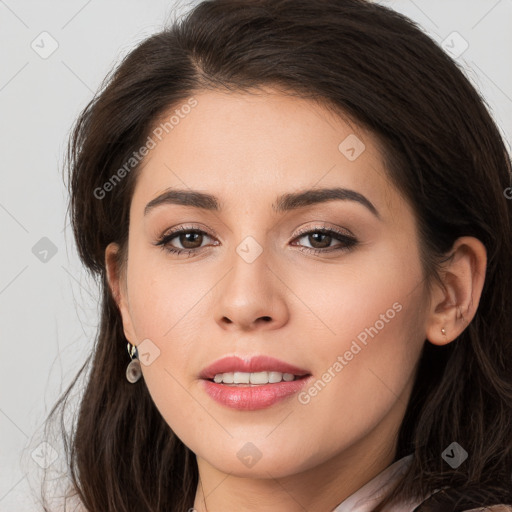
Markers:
{"x": 251, "y": 147}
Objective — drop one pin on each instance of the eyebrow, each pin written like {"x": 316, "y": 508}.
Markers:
{"x": 285, "y": 202}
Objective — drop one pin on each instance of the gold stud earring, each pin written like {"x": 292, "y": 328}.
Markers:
{"x": 443, "y": 331}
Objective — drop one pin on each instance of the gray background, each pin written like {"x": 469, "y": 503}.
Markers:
{"x": 48, "y": 304}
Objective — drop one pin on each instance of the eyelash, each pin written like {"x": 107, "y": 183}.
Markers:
{"x": 348, "y": 242}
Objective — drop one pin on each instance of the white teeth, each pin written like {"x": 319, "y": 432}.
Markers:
{"x": 229, "y": 378}
{"x": 241, "y": 378}
{"x": 258, "y": 377}
{"x": 275, "y": 377}
{"x": 252, "y": 378}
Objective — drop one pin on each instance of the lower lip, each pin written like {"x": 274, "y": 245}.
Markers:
{"x": 251, "y": 398}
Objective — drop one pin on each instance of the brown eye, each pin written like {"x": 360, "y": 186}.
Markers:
{"x": 190, "y": 239}
{"x": 320, "y": 240}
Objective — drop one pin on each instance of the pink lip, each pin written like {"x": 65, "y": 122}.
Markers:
{"x": 252, "y": 397}
{"x": 255, "y": 364}
{"x": 249, "y": 396}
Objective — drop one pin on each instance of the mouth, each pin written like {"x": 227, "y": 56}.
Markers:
{"x": 253, "y": 383}
{"x": 247, "y": 396}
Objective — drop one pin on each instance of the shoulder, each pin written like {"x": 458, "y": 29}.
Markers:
{"x": 493, "y": 508}
{"x": 465, "y": 500}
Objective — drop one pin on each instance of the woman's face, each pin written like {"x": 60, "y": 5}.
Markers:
{"x": 351, "y": 316}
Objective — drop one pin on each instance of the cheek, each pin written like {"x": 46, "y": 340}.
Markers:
{"x": 338, "y": 302}
{"x": 165, "y": 311}
{"x": 367, "y": 337}
{"x": 164, "y": 295}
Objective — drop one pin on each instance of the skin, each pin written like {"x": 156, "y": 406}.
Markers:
{"x": 246, "y": 149}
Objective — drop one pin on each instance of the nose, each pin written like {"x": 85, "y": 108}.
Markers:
{"x": 252, "y": 295}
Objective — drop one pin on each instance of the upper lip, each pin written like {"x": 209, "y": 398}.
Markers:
{"x": 254, "y": 364}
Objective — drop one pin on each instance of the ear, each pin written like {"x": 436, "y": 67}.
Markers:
{"x": 119, "y": 290}
{"x": 453, "y": 307}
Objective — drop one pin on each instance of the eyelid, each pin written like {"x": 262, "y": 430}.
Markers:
{"x": 340, "y": 231}
{"x": 186, "y": 228}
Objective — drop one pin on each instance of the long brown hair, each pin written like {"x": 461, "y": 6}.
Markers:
{"x": 442, "y": 151}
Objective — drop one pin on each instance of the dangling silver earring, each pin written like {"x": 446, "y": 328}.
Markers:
{"x": 133, "y": 371}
